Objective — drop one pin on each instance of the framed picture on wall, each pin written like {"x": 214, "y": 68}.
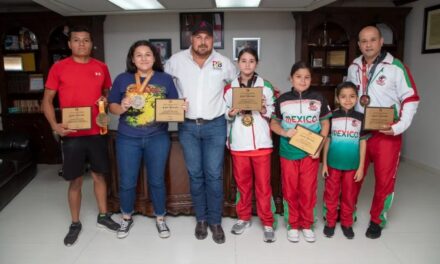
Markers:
{"x": 163, "y": 47}
{"x": 336, "y": 58}
{"x": 240, "y": 43}
{"x": 431, "y": 32}
{"x": 189, "y": 20}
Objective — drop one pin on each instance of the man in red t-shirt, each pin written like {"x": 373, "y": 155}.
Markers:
{"x": 81, "y": 81}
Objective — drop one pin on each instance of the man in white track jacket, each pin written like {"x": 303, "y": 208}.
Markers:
{"x": 383, "y": 81}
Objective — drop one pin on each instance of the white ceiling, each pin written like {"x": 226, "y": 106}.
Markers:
{"x": 103, "y": 7}
{"x": 98, "y": 7}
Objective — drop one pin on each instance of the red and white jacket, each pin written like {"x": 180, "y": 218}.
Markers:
{"x": 258, "y": 135}
{"x": 392, "y": 86}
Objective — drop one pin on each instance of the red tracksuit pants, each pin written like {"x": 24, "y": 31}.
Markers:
{"x": 340, "y": 189}
{"x": 299, "y": 179}
{"x": 247, "y": 169}
{"x": 384, "y": 152}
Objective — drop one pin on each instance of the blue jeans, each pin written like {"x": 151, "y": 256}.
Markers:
{"x": 154, "y": 151}
{"x": 203, "y": 149}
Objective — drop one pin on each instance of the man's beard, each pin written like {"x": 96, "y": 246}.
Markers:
{"x": 202, "y": 53}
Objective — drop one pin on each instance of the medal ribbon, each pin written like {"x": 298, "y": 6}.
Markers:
{"x": 366, "y": 80}
{"x": 141, "y": 87}
{"x": 102, "y": 130}
{"x": 251, "y": 82}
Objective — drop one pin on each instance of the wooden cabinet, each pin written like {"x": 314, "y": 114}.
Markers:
{"x": 42, "y": 141}
{"x": 30, "y": 44}
{"x": 177, "y": 183}
{"x": 327, "y": 39}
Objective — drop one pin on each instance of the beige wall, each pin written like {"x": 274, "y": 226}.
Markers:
{"x": 421, "y": 141}
{"x": 276, "y": 30}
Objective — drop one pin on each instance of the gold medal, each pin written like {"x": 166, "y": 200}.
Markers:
{"x": 247, "y": 120}
{"x": 137, "y": 102}
{"x": 136, "y": 94}
{"x": 364, "y": 100}
{"x": 102, "y": 118}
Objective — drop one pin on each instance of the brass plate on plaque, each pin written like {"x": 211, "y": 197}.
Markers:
{"x": 77, "y": 118}
{"x": 377, "y": 118}
{"x": 247, "y": 98}
{"x": 169, "y": 110}
{"x": 306, "y": 140}
{"x": 336, "y": 58}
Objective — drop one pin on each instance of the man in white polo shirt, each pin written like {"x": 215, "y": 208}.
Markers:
{"x": 200, "y": 74}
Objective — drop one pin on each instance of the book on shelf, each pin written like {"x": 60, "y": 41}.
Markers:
{"x": 11, "y": 42}
{"x": 36, "y": 82}
{"x": 13, "y": 63}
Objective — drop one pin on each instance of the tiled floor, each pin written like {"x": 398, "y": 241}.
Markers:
{"x": 33, "y": 225}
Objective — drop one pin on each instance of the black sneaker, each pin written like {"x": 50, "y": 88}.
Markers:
{"x": 162, "y": 229}
{"x": 374, "y": 230}
{"x": 72, "y": 235}
{"x": 106, "y": 221}
{"x": 329, "y": 231}
{"x": 123, "y": 231}
{"x": 348, "y": 232}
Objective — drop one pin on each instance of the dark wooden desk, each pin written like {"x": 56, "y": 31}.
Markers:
{"x": 177, "y": 183}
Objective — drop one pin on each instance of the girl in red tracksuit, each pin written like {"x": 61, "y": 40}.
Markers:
{"x": 249, "y": 140}
{"x": 299, "y": 170}
{"x": 343, "y": 162}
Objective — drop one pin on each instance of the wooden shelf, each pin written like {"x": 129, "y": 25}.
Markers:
{"x": 328, "y": 47}
{"x": 25, "y": 95}
{"x": 338, "y": 27}
{"x": 319, "y": 85}
{"x": 14, "y": 85}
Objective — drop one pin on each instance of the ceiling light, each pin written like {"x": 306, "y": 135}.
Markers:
{"x": 237, "y": 3}
{"x": 137, "y": 4}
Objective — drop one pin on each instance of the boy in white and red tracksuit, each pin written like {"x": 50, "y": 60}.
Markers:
{"x": 250, "y": 144}
{"x": 391, "y": 86}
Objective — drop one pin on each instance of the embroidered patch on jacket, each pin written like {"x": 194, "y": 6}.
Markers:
{"x": 354, "y": 123}
{"x": 217, "y": 65}
{"x": 381, "y": 80}
{"x": 313, "y": 106}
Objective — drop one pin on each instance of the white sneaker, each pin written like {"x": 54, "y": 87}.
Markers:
{"x": 269, "y": 234}
{"x": 293, "y": 235}
{"x": 309, "y": 235}
{"x": 239, "y": 227}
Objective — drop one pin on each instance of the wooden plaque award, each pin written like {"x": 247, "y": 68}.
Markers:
{"x": 377, "y": 118}
{"x": 247, "y": 98}
{"x": 306, "y": 140}
{"x": 169, "y": 110}
{"x": 77, "y": 118}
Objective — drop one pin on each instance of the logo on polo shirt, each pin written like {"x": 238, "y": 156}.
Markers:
{"x": 354, "y": 123}
{"x": 98, "y": 73}
{"x": 313, "y": 106}
{"x": 217, "y": 65}
{"x": 381, "y": 80}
